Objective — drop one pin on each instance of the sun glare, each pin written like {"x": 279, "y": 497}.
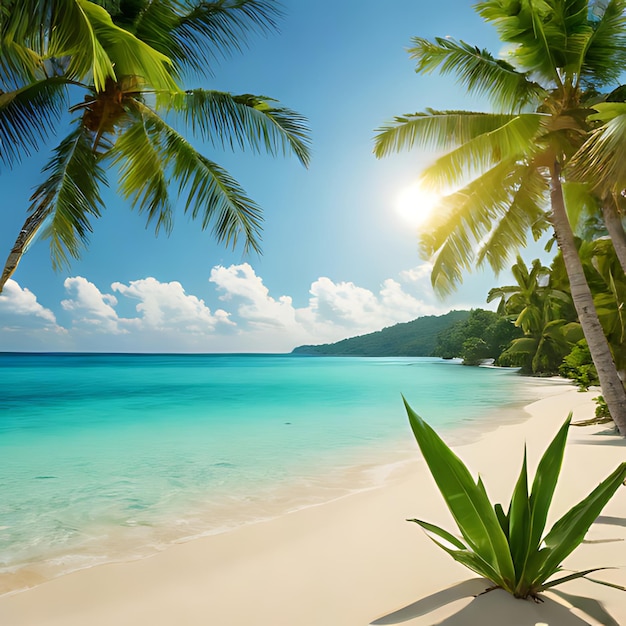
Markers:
{"x": 414, "y": 205}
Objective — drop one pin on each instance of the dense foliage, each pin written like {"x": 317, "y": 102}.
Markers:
{"x": 416, "y": 338}
{"x": 483, "y": 336}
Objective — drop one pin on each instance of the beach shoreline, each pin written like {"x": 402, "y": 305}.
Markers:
{"x": 353, "y": 559}
{"x": 361, "y": 469}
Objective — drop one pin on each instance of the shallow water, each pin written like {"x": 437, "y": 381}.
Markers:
{"x": 113, "y": 456}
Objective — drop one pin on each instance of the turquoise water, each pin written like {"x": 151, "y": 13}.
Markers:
{"x": 105, "y": 454}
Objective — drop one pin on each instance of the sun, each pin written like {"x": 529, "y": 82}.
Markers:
{"x": 415, "y": 205}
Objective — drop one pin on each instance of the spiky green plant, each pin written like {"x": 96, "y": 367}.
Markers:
{"x": 510, "y": 549}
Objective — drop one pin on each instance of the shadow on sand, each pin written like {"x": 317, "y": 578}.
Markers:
{"x": 496, "y": 607}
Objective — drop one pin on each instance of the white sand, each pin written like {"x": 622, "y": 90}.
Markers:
{"x": 356, "y": 561}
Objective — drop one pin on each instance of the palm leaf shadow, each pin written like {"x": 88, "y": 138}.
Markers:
{"x": 498, "y": 607}
{"x": 465, "y": 589}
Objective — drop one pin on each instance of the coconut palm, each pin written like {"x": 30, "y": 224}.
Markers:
{"x": 525, "y": 300}
{"x": 562, "y": 53}
{"x": 544, "y": 314}
{"x": 127, "y": 105}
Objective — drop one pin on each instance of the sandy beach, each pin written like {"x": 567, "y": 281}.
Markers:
{"x": 355, "y": 561}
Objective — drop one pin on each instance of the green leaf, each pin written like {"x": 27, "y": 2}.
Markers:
{"x": 468, "y": 504}
{"x": 129, "y": 56}
{"x": 478, "y": 71}
{"x": 438, "y": 130}
{"x": 513, "y": 140}
{"x": 595, "y": 161}
{"x": 151, "y": 154}
{"x": 575, "y": 575}
{"x": 545, "y": 482}
{"x": 204, "y": 32}
{"x": 142, "y": 162}
{"x": 519, "y": 521}
{"x": 64, "y": 204}
{"x": 570, "y": 530}
{"x": 71, "y": 34}
{"x": 487, "y": 219}
{"x": 474, "y": 562}
{"x": 444, "y": 534}
{"x": 28, "y": 115}
{"x": 502, "y": 518}
{"x": 243, "y": 120}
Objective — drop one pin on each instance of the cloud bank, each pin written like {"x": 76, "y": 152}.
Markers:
{"x": 168, "y": 319}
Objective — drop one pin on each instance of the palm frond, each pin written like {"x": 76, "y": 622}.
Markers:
{"x": 605, "y": 55}
{"x": 595, "y": 161}
{"x": 514, "y": 139}
{"x": 153, "y": 23}
{"x": 471, "y": 208}
{"x": 26, "y": 22}
{"x": 478, "y": 71}
{"x": 212, "y": 196}
{"x": 64, "y": 204}
{"x": 28, "y": 115}
{"x": 72, "y": 35}
{"x": 129, "y": 55}
{"x": 439, "y": 130}
{"x": 142, "y": 161}
{"x": 581, "y": 204}
{"x": 19, "y": 64}
{"x": 460, "y": 235}
{"x": 551, "y": 37}
{"x": 524, "y": 213}
{"x": 208, "y": 31}
{"x": 244, "y": 121}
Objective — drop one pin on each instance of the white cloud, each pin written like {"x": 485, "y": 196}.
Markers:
{"x": 167, "y": 306}
{"x": 170, "y": 319}
{"x": 15, "y": 301}
{"x": 261, "y": 311}
{"x": 335, "y": 310}
{"x": 95, "y": 309}
{"x": 419, "y": 274}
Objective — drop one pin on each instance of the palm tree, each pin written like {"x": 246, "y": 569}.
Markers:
{"x": 131, "y": 103}
{"x": 525, "y": 300}
{"x": 545, "y": 315}
{"x": 562, "y": 53}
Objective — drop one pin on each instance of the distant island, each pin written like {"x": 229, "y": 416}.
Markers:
{"x": 416, "y": 338}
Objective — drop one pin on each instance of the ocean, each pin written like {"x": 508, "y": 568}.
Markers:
{"x": 114, "y": 456}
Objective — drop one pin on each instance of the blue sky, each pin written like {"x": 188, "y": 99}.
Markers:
{"x": 337, "y": 258}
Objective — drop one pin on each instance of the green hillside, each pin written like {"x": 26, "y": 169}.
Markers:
{"x": 416, "y": 338}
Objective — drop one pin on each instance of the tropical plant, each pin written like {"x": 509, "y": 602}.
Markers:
{"x": 607, "y": 282}
{"x": 579, "y": 367}
{"x": 510, "y": 549}
{"x": 542, "y": 352}
{"x": 608, "y": 286}
{"x": 562, "y": 54}
{"x": 544, "y": 313}
{"x": 126, "y": 86}
{"x": 602, "y": 410}
{"x": 483, "y": 335}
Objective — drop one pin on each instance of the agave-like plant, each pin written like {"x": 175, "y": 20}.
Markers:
{"x": 510, "y": 549}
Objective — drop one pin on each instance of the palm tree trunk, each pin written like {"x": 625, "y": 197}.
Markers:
{"x": 29, "y": 230}
{"x": 612, "y": 387}
{"x": 613, "y": 223}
